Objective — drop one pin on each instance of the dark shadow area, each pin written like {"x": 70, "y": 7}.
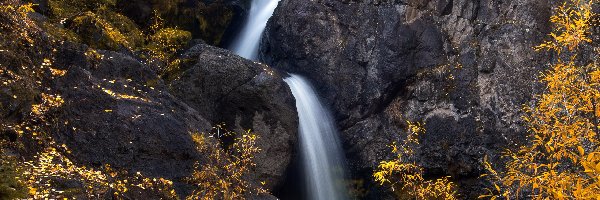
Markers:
{"x": 292, "y": 187}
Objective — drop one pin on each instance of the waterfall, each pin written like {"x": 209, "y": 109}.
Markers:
{"x": 323, "y": 161}
{"x": 247, "y": 42}
{"x": 322, "y": 157}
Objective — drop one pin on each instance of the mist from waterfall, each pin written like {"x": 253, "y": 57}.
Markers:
{"x": 247, "y": 42}
{"x": 323, "y": 161}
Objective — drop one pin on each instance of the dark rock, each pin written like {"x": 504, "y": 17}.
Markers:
{"x": 118, "y": 112}
{"x": 245, "y": 95}
{"x": 463, "y": 67}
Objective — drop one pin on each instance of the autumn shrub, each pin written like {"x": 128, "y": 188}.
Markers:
{"x": 405, "y": 176}
{"x": 15, "y": 20}
{"x": 562, "y": 157}
{"x": 224, "y": 174}
{"x": 166, "y": 42}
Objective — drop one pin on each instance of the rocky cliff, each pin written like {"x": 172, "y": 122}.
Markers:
{"x": 464, "y": 68}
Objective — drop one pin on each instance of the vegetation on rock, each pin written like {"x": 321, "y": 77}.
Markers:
{"x": 405, "y": 176}
{"x": 33, "y": 164}
{"x": 223, "y": 176}
{"x": 166, "y": 42}
{"x": 562, "y": 157}
{"x": 10, "y": 185}
{"x": 561, "y": 160}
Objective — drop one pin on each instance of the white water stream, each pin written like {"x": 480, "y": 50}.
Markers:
{"x": 247, "y": 42}
{"x": 322, "y": 156}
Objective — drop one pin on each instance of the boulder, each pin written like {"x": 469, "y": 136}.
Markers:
{"x": 117, "y": 111}
{"x": 245, "y": 95}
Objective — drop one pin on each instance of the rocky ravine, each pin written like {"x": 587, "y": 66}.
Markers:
{"x": 463, "y": 67}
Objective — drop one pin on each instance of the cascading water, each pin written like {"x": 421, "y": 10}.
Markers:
{"x": 321, "y": 152}
{"x": 319, "y": 145}
{"x": 247, "y": 42}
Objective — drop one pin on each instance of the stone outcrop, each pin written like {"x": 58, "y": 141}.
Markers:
{"x": 464, "y": 68}
{"x": 244, "y": 95}
{"x": 117, "y": 111}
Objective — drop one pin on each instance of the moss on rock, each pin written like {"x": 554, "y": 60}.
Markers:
{"x": 62, "y": 9}
{"x": 94, "y": 22}
{"x": 10, "y": 186}
{"x": 98, "y": 33}
{"x": 134, "y": 36}
{"x": 59, "y": 32}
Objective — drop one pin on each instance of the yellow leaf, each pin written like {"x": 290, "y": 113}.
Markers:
{"x": 581, "y": 151}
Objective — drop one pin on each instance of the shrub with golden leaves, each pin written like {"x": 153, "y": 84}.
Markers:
{"x": 573, "y": 21}
{"x": 404, "y": 171}
{"x": 166, "y": 42}
{"x": 562, "y": 159}
{"x": 224, "y": 175}
{"x": 15, "y": 14}
{"x": 48, "y": 102}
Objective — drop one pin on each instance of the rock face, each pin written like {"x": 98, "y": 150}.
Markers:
{"x": 245, "y": 95}
{"x": 463, "y": 67}
{"x": 117, "y": 111}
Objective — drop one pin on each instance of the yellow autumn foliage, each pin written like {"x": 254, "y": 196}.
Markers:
{"x": 405, "y": 172}
{"x": 16, "y": 13}
{"x": 51, "y": 166}
{"x": 166, "y": 42}
{"x": 224, "y": 175}
{"x": 562, "y": 158}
